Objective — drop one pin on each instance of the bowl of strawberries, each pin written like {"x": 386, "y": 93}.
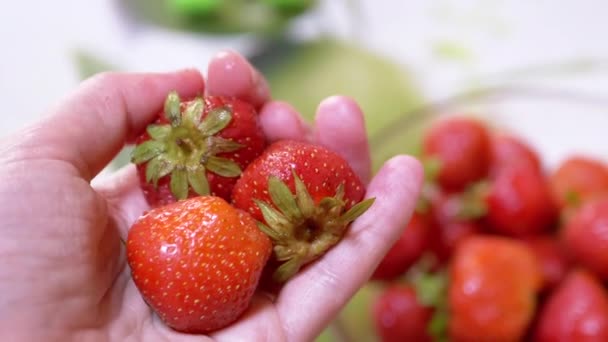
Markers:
{"x": 505, "y": 245}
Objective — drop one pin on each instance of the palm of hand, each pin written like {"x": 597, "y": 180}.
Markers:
{"x": 65, "y": 275}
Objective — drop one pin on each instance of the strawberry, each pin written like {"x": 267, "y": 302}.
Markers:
{"x": 519, "y": 202}
{"x": 507, "y": 150}
{"x": 579, "y": 179}
{"x": 304, "y": 196}
{"x": 197, "y": 262}
{"x": 400, "y": 316}
{"x": 462, "y": 148}
{"x": 197, "y": 147}
{"x": 412, "y": 243}
{"x": 493, "y": 283}
{"x": 576, "y": 311}
{"x": 585, "y": 237}
{"x": 552, "y": 259}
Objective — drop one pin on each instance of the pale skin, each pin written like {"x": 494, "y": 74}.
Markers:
{"x": 64, "y": 274}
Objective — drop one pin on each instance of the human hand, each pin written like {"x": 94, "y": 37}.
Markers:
{"x": 64, "y": 274}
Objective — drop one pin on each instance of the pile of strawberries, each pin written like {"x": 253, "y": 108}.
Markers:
{"x": 499, "y": 248}
{"x": 227, "y": 209}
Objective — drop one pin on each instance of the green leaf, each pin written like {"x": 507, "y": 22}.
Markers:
{"x": 287, "y": 270}
{"x": 159, "y": 132}
{"x": 146, "y": 151}
{"x": 165, "y": 167}
{"x": 179, "y": 184}
{"x": 172, "y": 109}
{"x": 272, "y": 234}
{"x": 305, "y": 202}
{"x": 430, "y": 288}
{"x": 194, "y": 111}
{"x": 274, "y": 219}
{"x": 357, "y": 210}
{"x": 438, "y": 325}
{"x": 198, "y": 181}
{"x": 340, "y": 192}
{"x": 432, "y": 167}
{"x": 283, "y": 198}
{"x": 215, "y": 121}
{"x": 472, "y": 203}
{"x": 330, "y": 202}
{"x": 223, "y": 167}
{"x": 152, "y": 170}
{"x": 218, "y": 145}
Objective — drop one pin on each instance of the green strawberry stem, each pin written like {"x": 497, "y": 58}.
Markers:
{"x": 186, "y": 148}
{"x": 431, "y": 291}
{"x": 300, "y": 230}
{"x": 472, "y": 202}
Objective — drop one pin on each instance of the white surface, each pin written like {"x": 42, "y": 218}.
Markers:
{"x": 36, "y": 68}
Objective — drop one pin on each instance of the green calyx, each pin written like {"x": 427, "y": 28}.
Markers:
{"x": 186, "y": 148}
{"x": 432, "y": 291}
{"x": 301, "y": 230}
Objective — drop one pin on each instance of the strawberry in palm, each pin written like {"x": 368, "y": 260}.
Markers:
{"x": 304, "y": 196}
{"x": 197, "y": 147}
{"x": 197, "y": 262}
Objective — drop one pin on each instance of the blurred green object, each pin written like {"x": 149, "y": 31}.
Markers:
{"x": 290, "y": 6}
{"x": 305, "y": 74}
{"x": 88, "y": 64}
{"x": 194, "y": 7}
{"x": 218, "y": 16}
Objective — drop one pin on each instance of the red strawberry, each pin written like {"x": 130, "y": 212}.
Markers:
{"x": 305, "y": 195}
{"x": 197, "y": 262}
{"x": 462, "y": 148}
{"x": 451, "y": 224}
{"x": 576, "y": 311}
{"x": 399, "y": 315}
{"x": 508, "y": 150}
{"x": 552, "y": 259}
{"x": 519, "y": 202}
{"x": 407, "y": 250}
{"x": 585, "y": 236}
{"x": 197, "y": 147}
{"x": 493, "y": 283}
{"x": 579, "y": 179}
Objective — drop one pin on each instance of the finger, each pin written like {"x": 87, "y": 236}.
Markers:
{"x": 229, "y": 74}
{"x": 126, "y": 201}
{"x": 313, "y": 297}
{"x": 280, "y": 120}
{"x": 91, "y": 126}
{"x": 340, "y": 126}
{"x": 259, "y": 323}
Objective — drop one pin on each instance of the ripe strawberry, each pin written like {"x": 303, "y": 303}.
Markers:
{"x": 493, "y": 283}
{"x": 197, "y": 262}
{"x": 399, "y": 315}
{"x": 462, "y": 148}
{"x": 407, "y": 250}
{"x": 519, "y": 202}
{"x": 586, "y": 239}
{"x": 579, "y": 179}
{"x": 507, "y": 150}
{"x": 305, "y": 225}
{"x": 198, "y": 147}
{"x": 576, "y": 311}
{"x": 552, "y": 259}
